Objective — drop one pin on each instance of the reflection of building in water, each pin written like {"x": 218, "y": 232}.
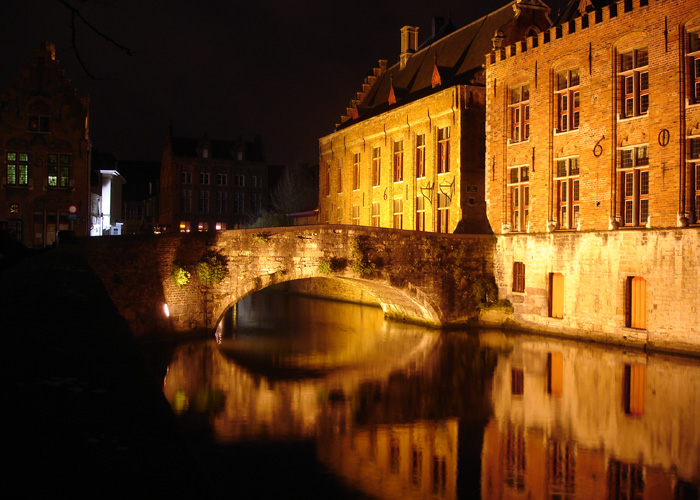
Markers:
{"x": 407, "y": 461}
{"x": 573, "y": 421}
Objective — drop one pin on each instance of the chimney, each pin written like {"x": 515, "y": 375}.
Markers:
{"x": 409, "y": 43}
{"x": 438, "y": 24}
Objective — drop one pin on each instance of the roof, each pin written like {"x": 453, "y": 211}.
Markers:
{"x": 574, "y": 8}
{"x": 459, "y": 57}
{"x": 219, "y": 149}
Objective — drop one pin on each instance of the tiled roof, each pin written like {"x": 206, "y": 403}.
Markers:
{"x": 218, "y": 149}
{"x": 459, "y": 56}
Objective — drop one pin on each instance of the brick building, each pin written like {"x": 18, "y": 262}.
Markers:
{"x": 592, "y": 185}
{"x": 409, "y": 153}
{"x": 594, "y": 124}
{"x": 45, "y": 154}
{"x": 209, "y": 185}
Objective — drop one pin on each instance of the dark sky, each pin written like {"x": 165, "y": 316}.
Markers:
{"x": 282, "y": 69}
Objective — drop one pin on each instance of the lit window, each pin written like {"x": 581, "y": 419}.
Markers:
{"x": 398, "y": 213}
{"x": 398, "y": 161}
{"x": 634, "y": 182}
{"x": 519, "y": 190}
{"x": 567, "y": 95}
{"x": 420, "y": 156}
{"x": 520, "y": 113}
{"x": 376, "y": 166}
{"x": 443, "y": 150}
{"x": 18, "y": 169}
{"x": 202, "y": 227}
{"x": 634, "y": 82}
{"x": 420, "y": 213}
{"x": 568, "y": 192}
{"x": 221, "y": 226}
{"x": 184, "y": 227}
{"x": 356, "y": 171}
{"x": 59, "y": 170}
{"x": 375, "y": 215}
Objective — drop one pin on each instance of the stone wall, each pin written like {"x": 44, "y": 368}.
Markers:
{"x": 596, "y": 267}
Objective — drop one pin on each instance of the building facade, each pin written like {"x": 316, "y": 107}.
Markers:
{"x": 592, "y": 185}
{"x": 409, "y": 153}
{"x": 45, "y": 154}
{"x": 209, "y": 185}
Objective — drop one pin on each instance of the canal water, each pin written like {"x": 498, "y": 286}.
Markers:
{"x": 320, "y": 399}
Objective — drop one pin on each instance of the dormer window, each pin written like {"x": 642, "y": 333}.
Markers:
{"x": 39, "y": 124}
{"x": 205, "y": 153}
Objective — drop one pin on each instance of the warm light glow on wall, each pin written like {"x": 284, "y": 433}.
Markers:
{"x": 166, "y": 310}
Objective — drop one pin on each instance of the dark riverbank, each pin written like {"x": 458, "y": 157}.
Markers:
{"x": 86, "y": 416}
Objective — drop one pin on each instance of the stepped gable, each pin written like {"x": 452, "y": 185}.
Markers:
{"x": 459, "y": 57}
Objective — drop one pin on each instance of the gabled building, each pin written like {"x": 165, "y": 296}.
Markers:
{"x": 209, "y": 184}
{"x": 409, "y": 152}
{"x": 44, "y": 154}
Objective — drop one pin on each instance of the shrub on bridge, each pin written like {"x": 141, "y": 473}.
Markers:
{"x": 211, "y": 269}
{"x": 181, "y": 277}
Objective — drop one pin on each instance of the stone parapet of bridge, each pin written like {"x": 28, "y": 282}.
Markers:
{"x": 434, "y": 279}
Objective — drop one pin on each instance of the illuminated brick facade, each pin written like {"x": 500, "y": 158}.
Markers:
{"x": 44, "y": 154}
{"x": 594, "y": 124}
{"x": 409, "y": 154}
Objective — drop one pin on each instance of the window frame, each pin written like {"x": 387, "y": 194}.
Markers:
{"x": 376, "y": 214}
{"x": 420, "y": 156}
{"x": 693, "y": 54}
{"x": 398, "y": 213}
{"x": 420, "y": 213}
{"x": 633, "y": 73}
{"x": 443, "y": 150}
{"x": 568, "y": 192}
{"x": 376, "y": 166}
{"x": 567, "y": 95}
{"x": 398, "y": 161}
{"x": 356, "y": 164}
{"x": 519, "y": 198}
{"x": 634, "y": 175}
{"x": 518, "y": 277}
{"x": 20, "y": 168}
{"x": 519, "y": 113}
{"x": 442, "y": 224}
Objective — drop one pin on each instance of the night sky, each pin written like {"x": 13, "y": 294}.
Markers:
{"x": 284, "y": 70}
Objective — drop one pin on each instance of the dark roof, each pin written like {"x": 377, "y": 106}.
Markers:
{"x": 219, "y": 149}
{"x": 138, "y": 175}
{"x": 459, "y": 57}
{"x": 573, "y": 9}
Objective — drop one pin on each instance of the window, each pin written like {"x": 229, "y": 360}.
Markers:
{"x": 186, "y": 200}
{"x": 185, "y": 227}
{"x": 443, "y": 150}
{"x": 376, "y": 166}
{"x": 634, "y": 81}
{"x": 398, "y": 161}
{"x": 340, "y": 215}
{"x": 556, "y": 295}
{"x": 416, "y": 466}
{"x": 256, "y": 200}
{"x": 420, "y": 156}
{"x": 375, "y": 215}
{"x": 694, "y": 64}
{"x": 239, "y": 180}
{"x": 220, "y": 226}
{"x": 515, "y": 458}
{"x": 186, "y": 177}
{"x": 561, "y": 470}
{"x": 221, "y": 198}
{"x": 356, "y": 171}
{"x": 520, "y": 113}
{"x": 204, "y": 178}
{"x": 221, "y": 179}
{"x": 202, "y": 227}
{"x": 238, "y": 203}
{"x": 420, "y": 213}
{"x": 340, "y": 175}
{"x": 443, "y": 213}
{"x": 356, "y": 215}
{"x": 398, "y": 213}
{"x": 439, "y": 478}
{"x": 567, "y": 95}
{"x": 518, "y": 277}
{"x": 39, "y": 124}
{"x": 568, "y": 196}
{"x": 59, "y": 170}
{"x": 634, "y": 180}
{"x": 519, "y": 189}
{"x": 696, "y": 169}
{"x": 256, "y": 180}
{"x": 636, "y": 303}
{"x": 517, "y": 382}
{"x": 204, "y": 202}
{"x": 18, "y": 169}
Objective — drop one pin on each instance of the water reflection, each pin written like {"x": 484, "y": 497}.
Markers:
{"x": 399, "y": 411}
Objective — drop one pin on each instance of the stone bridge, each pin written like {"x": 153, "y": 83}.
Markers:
{"x": 434, "y": 279}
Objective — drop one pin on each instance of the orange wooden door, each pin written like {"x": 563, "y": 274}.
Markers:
{"x": 638, "y": 306}
{"x": 556, "y": 295}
